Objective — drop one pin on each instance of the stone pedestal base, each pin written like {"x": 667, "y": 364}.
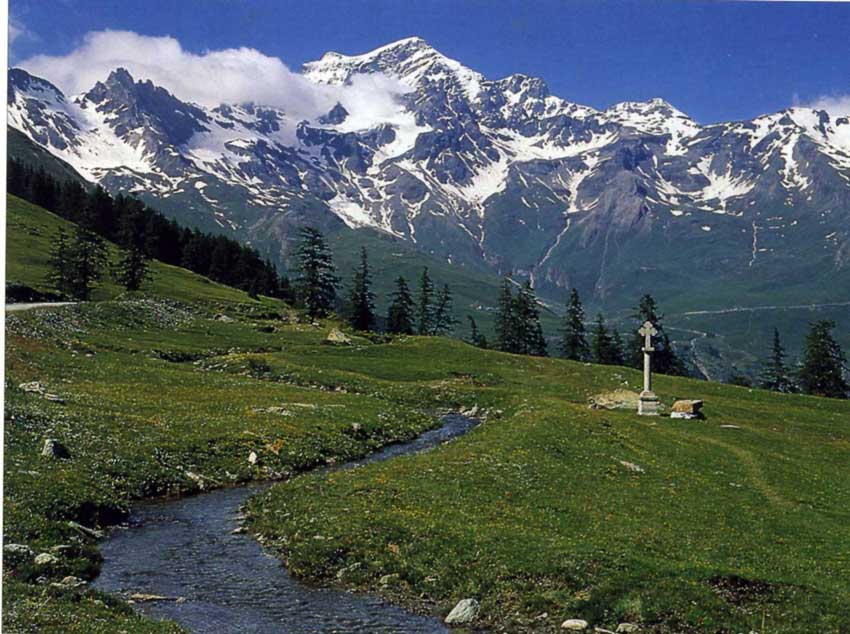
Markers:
{"x": 648, "y": 404}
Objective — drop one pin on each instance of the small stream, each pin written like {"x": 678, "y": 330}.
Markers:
{"x": 228, "y": 583}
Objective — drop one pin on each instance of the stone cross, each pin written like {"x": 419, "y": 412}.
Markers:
{"x": 648, "y": 404}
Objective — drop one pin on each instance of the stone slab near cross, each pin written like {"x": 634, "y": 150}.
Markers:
{"x": 648, "y": 403}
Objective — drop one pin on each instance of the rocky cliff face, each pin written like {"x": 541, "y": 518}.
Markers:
{"x": 496, "y": 174}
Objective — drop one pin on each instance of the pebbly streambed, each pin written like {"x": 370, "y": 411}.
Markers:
{"x": 227, "y": 583}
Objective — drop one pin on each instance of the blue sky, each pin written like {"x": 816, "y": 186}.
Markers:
{"x": 715, "y": 61}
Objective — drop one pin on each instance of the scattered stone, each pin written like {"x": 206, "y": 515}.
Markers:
{"x": 224, "y": 318}
{"x": 574, "y": 625}
{"x": 54, "y": 449}
{"x": 46, "y": 559}
{"x": 239, "y": 530}
{"x": 464, "y": 612}
{"x": 337, "y": 338}
{"x": 602, "y": 630}
{"x": 342, "y": 572}
{"x": 139, "y": 597}
{"x": 253, "y": 457}
{"x": 33, "y": 387}
{"x": 85, "y": 530}
{"x": 729, "y": 427}
{"x": 631, "y": 466}
{"x": 627, "y": 628}
{"x": 618, "y": 399}
{"x": 72, "y": 582}
{"x": 688, "y": 409}
{"x": 17, "y": 554}
{"x": 389, "y": 580}
{"x": 18, "y": 549}
{"x": 55, "y": 398}
{"x": 197, "y": 479}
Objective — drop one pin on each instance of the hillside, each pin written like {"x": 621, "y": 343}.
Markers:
{"x": 717, "y": 525}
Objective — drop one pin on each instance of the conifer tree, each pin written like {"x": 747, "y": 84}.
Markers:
{"x": 133, "y": 269}
{"x": 88, "y": 258}
{"x": 824, "y": 363}
{"x": 775, "y": 375}
{"x": 506, "y": 328}
{"x": 443, "y": 320}
{"x": 318, "y": 281}
{"x": 664, "y": 359}
{"x": 425, "y": 325}
{"x": 362, "y": 298}
{"x": 529, "y": 332}
{"x": 574, "y": 340}
{"x": 617, "y": 355}
{"x": 603, "y": 344}
{"x": 60, "y": 275}
{"x": 400, "y": 315}
{"x": 475, "y": 336}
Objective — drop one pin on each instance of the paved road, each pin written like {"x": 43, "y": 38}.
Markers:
{"x": 16, "y": 308}
{"x": 751, "y": 309}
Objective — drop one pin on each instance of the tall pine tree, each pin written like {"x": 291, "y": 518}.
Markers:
{"x": 529, "y": 332}
{"x": 425, "y": 325}
{"x": 775, "y": 375}
{"x": 60, "y": 266}
{"x": 475, "y": 336}
{"x": 362, "y": 298}
{"x": 443, "y": 320}
{"x": 603, "y": 344}
{"x": 824, "y": 363}
{"x": 88, "y": 258}
{"x": 133, "y": 269}
{"x": 400, "y": 315}
{"x": 506, "y": 326}
{"x": 318, "y": 281}
{"x": 664, "y": 359}
{"x": 573, "y": 336}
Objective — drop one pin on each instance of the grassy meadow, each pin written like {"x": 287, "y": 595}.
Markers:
{"x": 549, "y": 510}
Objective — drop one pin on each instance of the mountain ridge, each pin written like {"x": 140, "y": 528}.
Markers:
{"x": 491, "y": 174}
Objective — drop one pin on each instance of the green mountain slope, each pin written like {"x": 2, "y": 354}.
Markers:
{"x": 21, "y": 147}
{"x": 31, "y": 232}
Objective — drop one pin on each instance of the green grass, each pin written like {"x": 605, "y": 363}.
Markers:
{"x": 532, "y": 513}
{"x": 31, "y": 230}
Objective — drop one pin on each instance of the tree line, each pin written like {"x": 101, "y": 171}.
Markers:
{"x": 821, "y": 371}
{"x": 317, "y": 290}
{"x": 142, "y": 231}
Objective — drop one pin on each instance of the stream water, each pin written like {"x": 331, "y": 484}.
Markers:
{"x": 227, "y": 582}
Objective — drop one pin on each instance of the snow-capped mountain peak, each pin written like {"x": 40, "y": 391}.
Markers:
{"x": 498, "y": 173}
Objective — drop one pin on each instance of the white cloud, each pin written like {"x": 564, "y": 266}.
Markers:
{"x": 838, "y": 105}
{"x": 235, "y": 75}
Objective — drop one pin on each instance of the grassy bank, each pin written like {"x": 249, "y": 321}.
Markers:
{"x": 552, "y": 510}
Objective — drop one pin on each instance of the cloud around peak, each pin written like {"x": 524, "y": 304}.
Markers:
{"x": 836, "y": 105}
{"x": 235, "y": 75}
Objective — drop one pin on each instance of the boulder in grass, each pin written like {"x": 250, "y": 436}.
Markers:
{"x": 54, "y": 449}
{"x": 33, "y": 387}
{"x": 337, "y": 338}
{"x": 574, "y": 625}
{"x": 466, "y": 611}
{"x": 627, "y": 628}
{"x": 46, "y": 559}
{"x": 688, "y": 409}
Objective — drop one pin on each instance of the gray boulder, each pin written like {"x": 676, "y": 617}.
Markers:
{"x": 337, "y": 338}
{"x": 54, "y": 449}
{"x": 46, "y": 559}
{"x": 574, "y": 625}
{"x": 466, "y": 611}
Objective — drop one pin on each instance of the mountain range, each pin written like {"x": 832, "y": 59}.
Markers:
{"x": 494, "y": 175}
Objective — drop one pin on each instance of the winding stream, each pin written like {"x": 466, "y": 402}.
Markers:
{"x": 228, "y": 583}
